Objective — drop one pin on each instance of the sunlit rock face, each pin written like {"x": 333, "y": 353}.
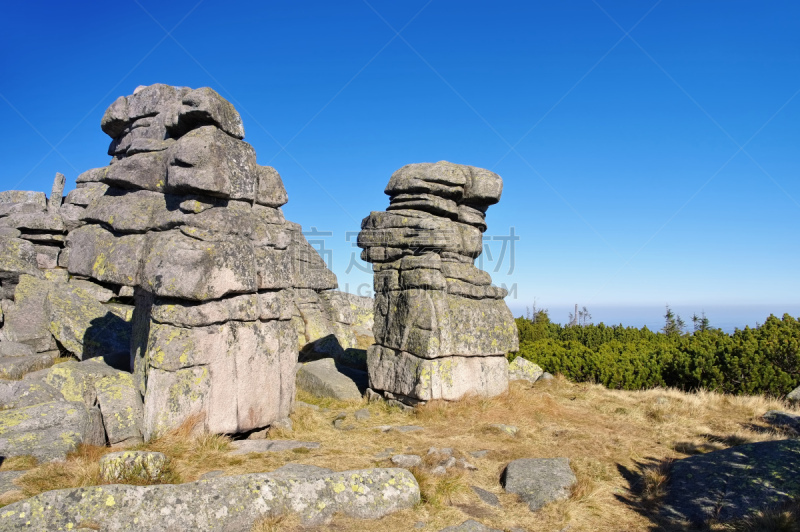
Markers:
{"x": 441, "y": 329}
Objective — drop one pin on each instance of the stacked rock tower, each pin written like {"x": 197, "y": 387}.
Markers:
{"x": 191, "y": 223}
{"x": 441, "y": 329}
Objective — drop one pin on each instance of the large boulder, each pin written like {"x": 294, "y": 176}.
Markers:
{"x": 323, "y": 379}
{"x": 48, "y": 431}
{"x": 224, "y": 504}
{"x": 122, "y": 408}
{"x": 539, "y": 481}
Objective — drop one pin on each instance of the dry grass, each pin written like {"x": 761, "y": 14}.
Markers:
{"x": 620, "y": 445}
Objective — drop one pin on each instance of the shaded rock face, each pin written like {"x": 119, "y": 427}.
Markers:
{"x": 441, "y": 329}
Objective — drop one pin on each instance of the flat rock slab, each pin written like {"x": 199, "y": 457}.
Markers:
{"x": 16, "y": 367}
{"x": 401, "y": 428}
{"x": 470, "y": 526}
{"x": 539, "y": 481}
{"x": 733, "y": 483}
{"x": 270, "y": 446}
{"x": 486, "y": 496}
{"x": 323, "y": 379}
{"x": 225, "y": 504}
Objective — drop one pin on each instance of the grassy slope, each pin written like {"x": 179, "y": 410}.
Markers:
{"x": 619, "y": 444}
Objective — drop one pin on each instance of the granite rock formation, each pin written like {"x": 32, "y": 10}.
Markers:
{"x": 441, "y": 329}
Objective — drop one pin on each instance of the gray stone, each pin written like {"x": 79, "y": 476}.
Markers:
{"x": 85, "y": 327}
{"x": 783, "y": 420}
{"x": 479, "y": 454}
{"x": 75, "y": 381}
{"x": 56, "y": 194}
{"x": 98, "y": 292}
{"x": 270, "y": 446}
{"x": 134, "y": 211}
{"x": 24, "y": 196}
{"x": 292, "y": 470}
{"x": 85, "y": 196}
{"x": 204, "y": 106}
{"x": 27, "y": 321}
{"x": 18, "y": 256}
{"x": 215, "y": 371}
{"x": 793, "y": 397}
{"x": 46, "y": 256}
{"x": 122, "y": 408}
{"x": 133, "y": 465}
{"x": 407, "y": 460}
{"x": 19, "y": 394}
{"x": 733, "y": 483}
{"x": 361, "y": 414}
{"x": 16, "y": 367}
{"x": 48, "y": 431}
{"x": 95, "y": 175}
{"x": 470, "y": 526}
{"x": 539, "y": 481}
{"x": 511, "y": 430}
{"x": 521, "y": 369}
{"x": 301, "y": 404}
{"x": 97, "y": 253}
{"x": 545, "y": 377}
{"x": 145, "y": 171}
{"x": 226, "y": 503}
{"x": 15, "y": 349}
{"x": 323, "y": 379}
{"x": 487, "y": 496}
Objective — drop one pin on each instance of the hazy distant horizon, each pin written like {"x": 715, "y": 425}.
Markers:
{"x": 725, "y": 317}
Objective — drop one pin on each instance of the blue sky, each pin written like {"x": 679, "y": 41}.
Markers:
{"x": 649, "y": 149}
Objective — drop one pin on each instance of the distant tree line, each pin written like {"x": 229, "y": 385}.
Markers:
{"x": 760, "y": 360}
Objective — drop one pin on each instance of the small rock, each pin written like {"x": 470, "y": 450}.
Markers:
{"x": 486, "y": 496}
{"x": 419, "y": 524}
{"x": 479, "y": 454}
{"x": 130, "y": 465}
{"x": 270, "y": 446}
{"x": 258, "y": 434}
{"x": 470, "y": 526}
{"x": 406, "y": 460}
{"x": 447, "y": 464}
{"x": 522, "y": 369}
{"x": 438, "y": 470}
{"x": 407, "y": 428}
{"x": 463, "y": 464}
{"x": 511, "y": 430}
{"x": 284, "y": 424}
{"x": 402, "y": 406}
{"x": 362, "y": 414}
{"x": 539, "y": 481}
{"x": 784, "y": 420}
{"x": 373, "y": 396}
{"x": 545, "y": 377}
{"x": 447, "y": 451}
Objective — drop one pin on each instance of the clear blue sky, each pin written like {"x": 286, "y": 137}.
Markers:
{"x": 649, "y": 149}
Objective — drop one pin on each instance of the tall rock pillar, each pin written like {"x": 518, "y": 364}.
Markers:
{"x": 441, "y": 329}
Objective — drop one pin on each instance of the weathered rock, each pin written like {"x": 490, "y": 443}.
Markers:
{"x": 75, "y": 380}
{"x": 16, "y": 367}
{"x": 97, "y": 253}
{"x": 18, "y": 256}
{"x": 539, "y": 481}
{"x": 323, "y": 379}
{"x": 27, "y": 321}
{"x": 15, "y": 349}
{"x": 7, "y": 479}
{"x": 57, "y": 193}
{"x": 511, "y": 430}
{"x": 223, "y": 504}
{"x": 486, "y": 496}
{"x": 133, "y": 465}
{"x": 270, "y": 446}
{"x": 239, "y": 375}
{"x": 733, "y": 483}
{"x": 24, "y": 196}
{"x": 793, "y": 397}
{"x": 204, "y": 106}
{"x": 19, "y": 394}
{"x": 448, "y": 378}
{"x": 523, "y": 370}
{"x": 48, "y": 431}
{"x": 122, "y": 408}
{"x": 784, "y": 420}
{"x": 406, "y": 460}
{"x": 86, "y": 195}
{"x": 470, "y": 526}
{"x": 85, "y": 327}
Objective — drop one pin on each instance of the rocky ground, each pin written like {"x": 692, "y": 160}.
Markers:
{"x": 620, "y": 447}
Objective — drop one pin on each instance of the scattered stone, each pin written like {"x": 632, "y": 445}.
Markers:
{"x": 132, "y": 465}
{"x": 487, "y": 496}
{"x": 301, "y": 404}
{"x": 479, "y": 454}
{"x": 361, "y": 414}
{"x": 323, "y": 379}
{"x": 463, "y": 464}
{"x": 48, "y": 431}
{"x": 439, "y": 470}
{"x": 16, "y": 367}
{"x": 511, "y": 430}
{"x": 373, "y": 396}
{"x": 522, "y": 369}
{"x": 539, "y": 481}
{"x": 406, "y": 428}
{"x": 733, "y": 483}
{"x": 446, "y": 451}
{"x": 545, "y": 377}
{"x": 783, "y": 420}
{"x": 284, "y": 425}
{"x": 419, "y": 524}
{"x": 470, "y": 526}
{"x": 793, "y": 397}
{"x": 221, "y": 503}
{"x": 406, "y": 460}
{"x": 270, "y": 446}
{"x": 19, "y": 394}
